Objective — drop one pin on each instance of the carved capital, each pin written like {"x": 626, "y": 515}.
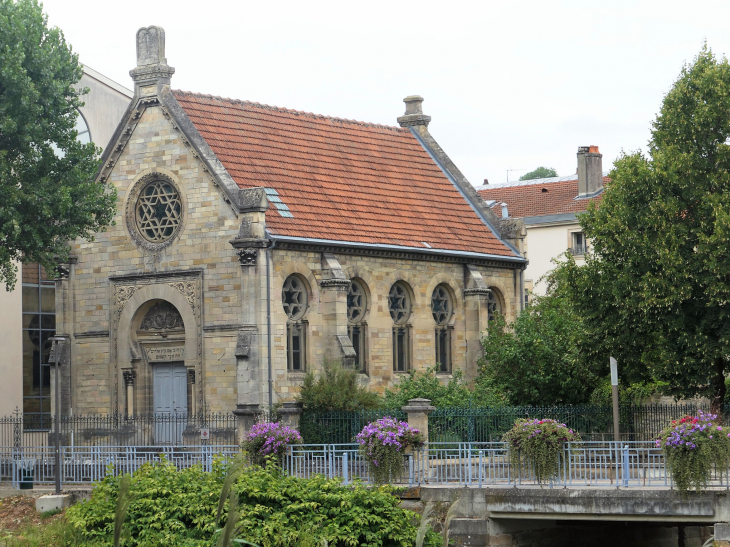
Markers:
{"x": 129, "y": 377}
{"x": 243, "y": 345}
{"x": 191, "y": 376}
{"x": 335, "y": 284}
{"x": 63, "y": 271}
{"x": 247, "y": 257}
{"x": 253, "y": 200}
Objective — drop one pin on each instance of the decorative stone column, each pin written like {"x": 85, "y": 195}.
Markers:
{"x": 245, "y": 417}
{"x": 129, "y": 377}
{"x": 476, "y": 306}
{"x": 334, "y": 287}
{"x": 290, "y": 413}
{"x": 418, "y": 411}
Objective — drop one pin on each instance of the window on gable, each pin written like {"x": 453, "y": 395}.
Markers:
{"x": 356, "y": 325}
{"x": 399, "y": 305}
{"x": 442, "y": 309}
{"x": 294, "y": 297}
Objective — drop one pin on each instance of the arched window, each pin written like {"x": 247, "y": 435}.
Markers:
{"x": 494, "y": 304}
{"x": 294, "y": 298}
{"x": 84, "y": 136}
{"x": 442, "y": 309}
{"x": 399, "y": 305}
{"x": 357, "y": 304}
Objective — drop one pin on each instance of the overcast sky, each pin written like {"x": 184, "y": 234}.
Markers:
{"x": 509, "y": 85}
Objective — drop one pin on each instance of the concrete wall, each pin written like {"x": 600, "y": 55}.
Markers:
{"x": 11, "y": 347}
{"x": 104, "y": 106}
{"x": 543, "y": 243}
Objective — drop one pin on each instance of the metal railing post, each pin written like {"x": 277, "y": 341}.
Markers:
{"x": 345, "y": 474}
{"x": 625, "y": 462}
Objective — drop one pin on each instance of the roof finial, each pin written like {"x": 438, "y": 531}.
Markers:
{"x": 414, "y": 113}
{"x": 152, "y": 68}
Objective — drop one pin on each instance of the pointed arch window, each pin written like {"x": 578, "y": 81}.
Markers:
{"x": 294, "y": 298}
{"x": 494, "y": 304}
{"x": 399, "y": 305}
{"x": 442, "y": 309}
{"x": 357, "y": 304}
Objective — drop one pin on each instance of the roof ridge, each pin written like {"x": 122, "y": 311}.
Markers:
{"x": 547, "y": 180}
{"x": 291, "y": 111}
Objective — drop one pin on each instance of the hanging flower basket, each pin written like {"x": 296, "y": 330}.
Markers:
{"x": 692, "y": 447}
{"x": 383, "y": 444}
{"x": 269, "y": 439}
{"x": 538, "y": 445}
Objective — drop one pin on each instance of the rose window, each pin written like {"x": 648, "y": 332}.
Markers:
{"x": 399, "y": 303}
{"x": 441, "y": 306}
{"x": 158, "y": 211}
{"x": 294, "y": 297}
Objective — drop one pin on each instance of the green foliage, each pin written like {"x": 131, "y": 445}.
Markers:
{"x": 540, "y": 173}
{"x": 654, "y": 291}
{"x": 335, "y": 388}
{"x": 50, "y": 513}
{"x": 179, "y": 508}
{"x": 538, "y": 443}
{"x": 633, "y": 394}
{"x": 542, "y": 357}
{"x": 428, "y": 385}
{"x": 124, "y": 498}
{"x": 692, "y": 447}
{"x": 58, "y": 533}
{"x": 47, "y": 198}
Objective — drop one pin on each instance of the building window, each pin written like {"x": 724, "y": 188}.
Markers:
{"x": 39, "y": 324}
{"x": 82, "y": 128}
{"x": 494, "y": 305}
{"x": 294, "y": 298}
{"x": 356, "y": 326}
{"x": 399, "y": 305}
{"x": 578, "y": 244}
{"x": 158, "y": 211}
{"x": 442, "y": 309}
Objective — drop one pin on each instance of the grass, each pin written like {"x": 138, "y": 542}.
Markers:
{"x": 58, "y": 533}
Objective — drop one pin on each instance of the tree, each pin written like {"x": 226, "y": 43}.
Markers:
{"x": 46, "y": 176}
{"x": 542, "y": 357}
{"x": 335, "y": 389}
{"x": 655, "y": 291}
{"x": 540, "y": 173}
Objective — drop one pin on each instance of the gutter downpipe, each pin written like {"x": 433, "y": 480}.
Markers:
{"x": 522, "y": 289}
{"x": 268, "y": 319}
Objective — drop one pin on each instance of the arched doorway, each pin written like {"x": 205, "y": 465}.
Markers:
{"x": 161, "y": 335}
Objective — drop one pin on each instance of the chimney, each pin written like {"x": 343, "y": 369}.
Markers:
{"x": 590, "y": 171}
{"x": 414, "y": 113}
{"x": 152, "y": 69}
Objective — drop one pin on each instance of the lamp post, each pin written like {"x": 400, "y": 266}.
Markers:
{"x": 54, "y": 359}
{"x": 614, "y": 395}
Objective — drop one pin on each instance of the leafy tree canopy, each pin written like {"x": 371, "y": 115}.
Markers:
{"x": 540, "y": 173}
{"x": 335, "y": 389}
{"x": 46, "y": 176}
{"x": 655, "y": 291}
{"x": 541, "y": 358}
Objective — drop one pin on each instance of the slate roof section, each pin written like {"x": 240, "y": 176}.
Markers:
{"x": 341, "y": 180}
{"x": 539, "y": 197}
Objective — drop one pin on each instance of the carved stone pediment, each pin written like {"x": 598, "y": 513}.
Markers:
{"x": 162, "y": 316}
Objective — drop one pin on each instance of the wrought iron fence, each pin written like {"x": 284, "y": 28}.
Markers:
{"x": 89, "y": 464}
{"x": 593, "y": 422}
{"x": 340, "y": 427}
{"x": 210, "y": 428}
{"x": 629, "y": 464}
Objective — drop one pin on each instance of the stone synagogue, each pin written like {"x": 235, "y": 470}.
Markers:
{"x": 253, "y": 242}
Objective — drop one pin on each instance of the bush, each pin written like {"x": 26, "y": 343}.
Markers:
{"x": 634, "y": 394}
{"x": 692, "y": 446}
{"x": 383, "y": 444}
{"x": 335, "y": 389}
{"x": 269, "y": 439}
{"x": 427, "y": 385}
{"x": 538, "y": 443}
{"x": 178, "y": 508}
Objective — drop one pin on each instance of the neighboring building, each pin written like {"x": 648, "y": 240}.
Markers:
{"x": 28, "y": 313}
{"x": 548, "y": 209}
{"x": 251, "y": 242}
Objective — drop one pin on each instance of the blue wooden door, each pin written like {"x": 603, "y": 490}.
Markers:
{"x": 170, "y": 400}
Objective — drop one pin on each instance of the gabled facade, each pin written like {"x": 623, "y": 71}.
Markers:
{"x": 252, "y": 242}
{"x": 547, "y": 208}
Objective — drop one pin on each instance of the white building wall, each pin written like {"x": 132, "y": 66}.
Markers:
{"x": 11, "y": 348}
{"x": 544, "y": 243}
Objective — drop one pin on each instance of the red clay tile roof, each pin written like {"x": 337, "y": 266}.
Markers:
{"x": 534, "y": 199}
{"x": 342, "y": 180}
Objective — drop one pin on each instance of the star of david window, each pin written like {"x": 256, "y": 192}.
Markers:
{"x": 356, "y": 326}
{"x": 294, "y": 301}
{"x": 442, "y": 308}
{"x": 399, "y": 303}
{"x": 494, "y": 304}
{"x": 158, "y": 211}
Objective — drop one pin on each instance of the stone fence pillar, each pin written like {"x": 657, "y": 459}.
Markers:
{"x": 245, "y": 418}
{"x": 418, "y": 411}
{"x": 290, "y": 413}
